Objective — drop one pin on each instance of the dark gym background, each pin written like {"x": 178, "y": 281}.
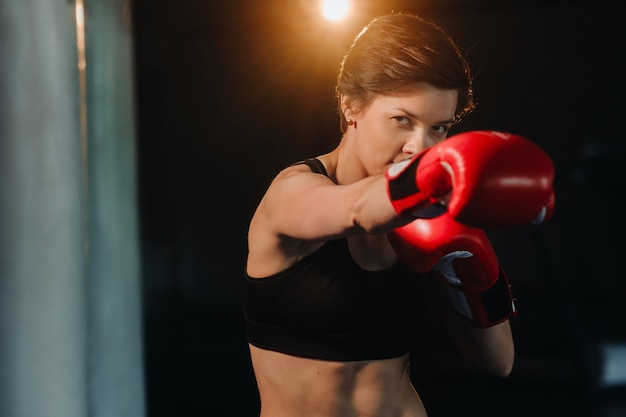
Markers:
{"x": 229, "y": 92}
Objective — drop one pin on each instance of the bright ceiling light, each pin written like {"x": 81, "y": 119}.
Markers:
{"x": 335, "y": 9}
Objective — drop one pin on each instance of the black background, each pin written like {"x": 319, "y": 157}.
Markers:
{"x": 229, "y": 92}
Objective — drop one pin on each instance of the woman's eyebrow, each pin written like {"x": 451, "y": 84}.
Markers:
{"x": 408, "y": 113}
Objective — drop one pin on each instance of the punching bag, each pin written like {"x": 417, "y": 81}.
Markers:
{"x": 70, "y": 300}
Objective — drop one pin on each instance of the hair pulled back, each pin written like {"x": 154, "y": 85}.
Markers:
{"x": 395, "y": 50}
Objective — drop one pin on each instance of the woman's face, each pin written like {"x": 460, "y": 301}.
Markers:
{"x": 397, "y": 125}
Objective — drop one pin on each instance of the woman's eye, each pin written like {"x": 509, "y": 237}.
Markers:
{"x": 441, "y": 129}
{"x": 403, "y": 120}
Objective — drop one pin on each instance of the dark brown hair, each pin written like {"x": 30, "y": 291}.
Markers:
{"x": 396, "y": 50}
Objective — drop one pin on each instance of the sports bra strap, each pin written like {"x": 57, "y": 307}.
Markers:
{"x": 315, "y": 165}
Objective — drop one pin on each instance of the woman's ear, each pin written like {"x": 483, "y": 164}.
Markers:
{"x": 350, "y": 114}
{"x": 346, "y": 109}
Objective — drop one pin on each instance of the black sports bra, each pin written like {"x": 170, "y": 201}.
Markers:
{"x": 327, "y": 307}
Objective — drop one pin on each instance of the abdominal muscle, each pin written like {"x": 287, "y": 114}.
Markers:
{"x": 301, "y": 387}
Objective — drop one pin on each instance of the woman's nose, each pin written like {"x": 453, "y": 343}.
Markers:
{"x": 414, "y": 145}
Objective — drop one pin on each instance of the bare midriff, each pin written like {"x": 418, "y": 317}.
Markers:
{"x": 291, "y": 386}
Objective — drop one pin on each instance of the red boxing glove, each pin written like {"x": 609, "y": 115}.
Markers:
{"x": 464, "y": 257}
{"x": 495, "y": 179}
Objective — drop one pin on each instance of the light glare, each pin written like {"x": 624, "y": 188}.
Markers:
{"x": 335, "y": 9}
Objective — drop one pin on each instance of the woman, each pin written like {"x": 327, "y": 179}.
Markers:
{"x": 330, "y": 309}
